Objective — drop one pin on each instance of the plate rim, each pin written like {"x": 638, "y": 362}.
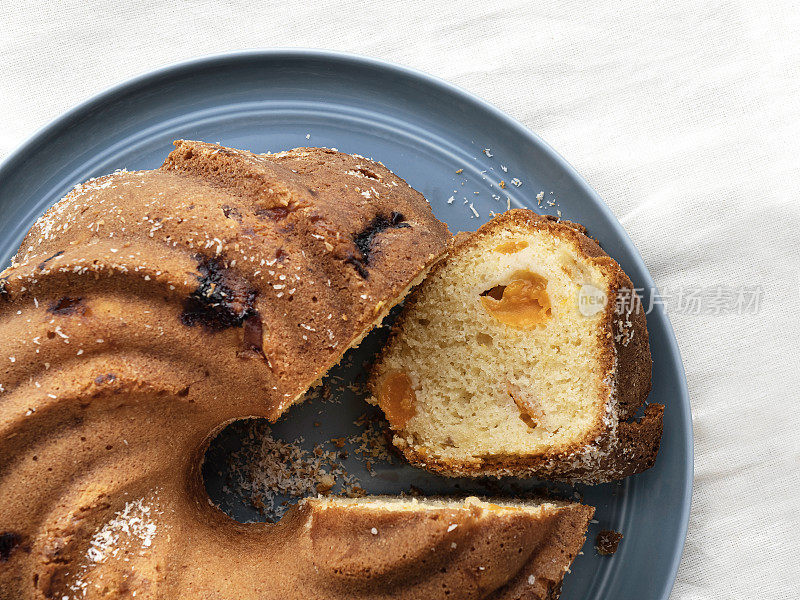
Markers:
{"x": 84, "y": 108}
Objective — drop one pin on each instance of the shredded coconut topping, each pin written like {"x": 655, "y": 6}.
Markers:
{"x": 134, "y": 521}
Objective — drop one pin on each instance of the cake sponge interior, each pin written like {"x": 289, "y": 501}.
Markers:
{"x": 503, "y": 351}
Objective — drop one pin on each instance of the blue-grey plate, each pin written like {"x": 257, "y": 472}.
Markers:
{"x": 426, "y": 131}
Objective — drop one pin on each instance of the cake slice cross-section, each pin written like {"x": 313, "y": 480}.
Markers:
{"x": 525, "y": 352}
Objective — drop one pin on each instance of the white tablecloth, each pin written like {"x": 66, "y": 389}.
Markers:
{"x": 684, "y": 116}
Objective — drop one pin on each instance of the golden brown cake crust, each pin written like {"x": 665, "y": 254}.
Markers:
{"x": 608, "y": 451}
{"x": 474, "y": 553}
{"x": 293, "y": 239}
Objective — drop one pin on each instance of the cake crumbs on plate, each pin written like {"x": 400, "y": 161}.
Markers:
{"x": 266, "y": 469}
{"x": 372, "y": 444}
{"x": 266, "y": 472}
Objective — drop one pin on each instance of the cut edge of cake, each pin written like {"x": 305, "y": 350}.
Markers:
{"x": 615, "y": 445}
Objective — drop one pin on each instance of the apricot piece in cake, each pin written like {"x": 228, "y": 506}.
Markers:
{"x": 529, "y": 409}
{"x": 397, "y": 399}
{"x": 511, "y": 247}
{"x": 523, "y": 302}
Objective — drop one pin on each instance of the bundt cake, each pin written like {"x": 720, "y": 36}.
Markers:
{"x": 146, "y": 310}
{"x": 525, "y": 352}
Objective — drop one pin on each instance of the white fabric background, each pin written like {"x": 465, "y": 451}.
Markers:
{"x": 685, "y": 117}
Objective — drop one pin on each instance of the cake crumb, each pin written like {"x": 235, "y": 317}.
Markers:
{"x": 355, "y": 491}
{"x": 326, "y": 482}
{"x": 267, "y": 470}
{"x": 607, "y": 542}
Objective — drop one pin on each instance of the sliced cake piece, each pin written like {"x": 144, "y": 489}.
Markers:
{"x": 525, "y": 352}
{"x": 407, "y": 548}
